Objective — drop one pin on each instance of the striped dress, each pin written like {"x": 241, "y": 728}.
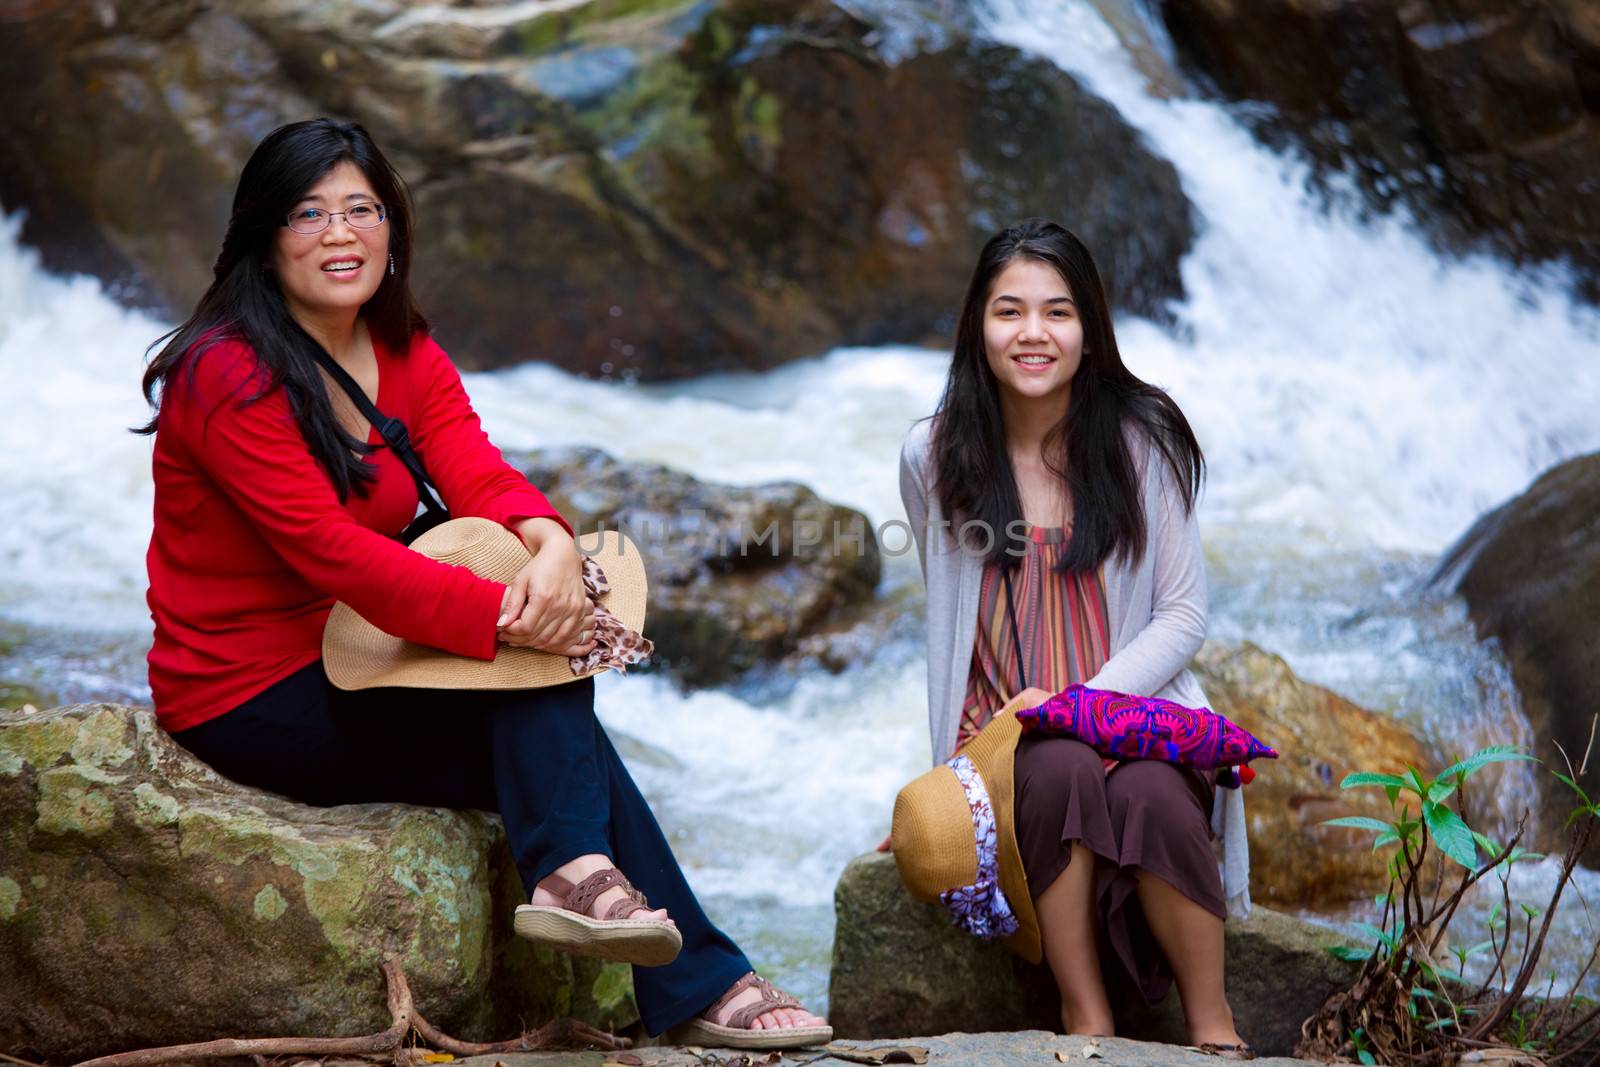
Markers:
{"x": 1062, "y": 617}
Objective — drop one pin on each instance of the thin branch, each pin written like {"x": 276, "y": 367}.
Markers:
{"x": 1502, "y": 1010}
{"x": 18, "y": 1062}
{"x": 404, "y": 1019}
{"x": 557, "y": 1033}
{"x": 1472, "y": 879}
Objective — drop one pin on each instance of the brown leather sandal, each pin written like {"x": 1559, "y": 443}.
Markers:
{"x": 570, "y": 928}
{"x": 705, "y": 1031}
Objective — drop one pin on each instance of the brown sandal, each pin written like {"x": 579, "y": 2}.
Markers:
{"x": 570, "y": 928}
{"x": 703, "y": 1030}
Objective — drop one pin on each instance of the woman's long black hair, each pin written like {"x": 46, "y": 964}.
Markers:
{"x": 1089, "y": 448}
{"x": 245, "y": 304}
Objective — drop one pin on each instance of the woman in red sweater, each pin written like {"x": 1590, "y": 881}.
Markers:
{"x": 275, "y": 498}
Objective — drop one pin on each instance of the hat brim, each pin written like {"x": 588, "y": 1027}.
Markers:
{"x": 932, "y": 831}
{"x": 356, "y": 654}
{"x": 993, "y": 752}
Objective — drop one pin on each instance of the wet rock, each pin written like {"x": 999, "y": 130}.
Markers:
{"x": 1295, "y": 860}
{"x": 900, "y": 969}
{"x": 739, "y": 576}
{"x": 144, "y": 900}
{"x": 646, "y": 189}
{"x": 1483, "y": 116}
{"x": 1530, "y": 574}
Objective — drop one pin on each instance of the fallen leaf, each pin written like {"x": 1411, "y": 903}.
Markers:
{"x": 437, "y": 1057}
{"x": 1062, "y": 1057}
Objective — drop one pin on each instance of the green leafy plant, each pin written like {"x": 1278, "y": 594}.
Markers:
{"x": 1412, "y": 1003}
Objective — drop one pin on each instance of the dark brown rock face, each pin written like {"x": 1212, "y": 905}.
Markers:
{"x": 654, "y": 189}
{"x": 1530, "y": 573}
{"x": 739, "y": 576}
{"x": 1483, "y": 115}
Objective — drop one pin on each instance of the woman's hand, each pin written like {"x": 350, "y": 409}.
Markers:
{"x": 545, "y": 606}
{"x": 1030, "y": 698}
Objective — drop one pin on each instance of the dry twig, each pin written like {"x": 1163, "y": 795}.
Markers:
{"x": 561, "y": 1033}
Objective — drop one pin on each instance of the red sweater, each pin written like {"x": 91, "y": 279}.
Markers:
{"x": 251, "y": 546}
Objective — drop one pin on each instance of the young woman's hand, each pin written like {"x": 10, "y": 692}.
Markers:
{"x": 545, "y": 606}
{"x": 1030, "y": 698}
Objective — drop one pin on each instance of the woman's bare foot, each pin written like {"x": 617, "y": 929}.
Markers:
{"x": 579, "y": 869}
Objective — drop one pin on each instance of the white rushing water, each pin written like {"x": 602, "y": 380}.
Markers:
{"x": 1360, "y": 399}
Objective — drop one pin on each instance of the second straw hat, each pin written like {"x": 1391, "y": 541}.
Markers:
{"x": 934, "y": 839}
{"x": 358, "y": 655}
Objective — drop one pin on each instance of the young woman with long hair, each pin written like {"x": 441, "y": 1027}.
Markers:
{"x": 274, "y": 498}
{"x": 1052, "y": 495}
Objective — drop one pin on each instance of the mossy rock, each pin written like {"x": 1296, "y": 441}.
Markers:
{"x": 649, "y": 189}
{"x": 205, "y": 909}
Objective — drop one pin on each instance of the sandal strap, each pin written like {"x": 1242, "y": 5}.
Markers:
{"x": 581, "y": 897}
{"x": 710, "y": 1014}
{"x": 772, "y": 998}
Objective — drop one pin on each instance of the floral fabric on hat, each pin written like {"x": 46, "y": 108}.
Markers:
{"x": 981, "y": 909}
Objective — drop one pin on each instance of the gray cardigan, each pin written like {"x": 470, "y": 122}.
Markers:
{"x": 1157, "y": 610}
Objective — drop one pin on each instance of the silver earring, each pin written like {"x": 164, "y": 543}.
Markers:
{"x": 391, "y": 263}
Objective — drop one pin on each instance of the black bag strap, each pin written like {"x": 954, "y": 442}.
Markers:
{"x": 1016, "y": 634}
{"x": 393, "y": 431}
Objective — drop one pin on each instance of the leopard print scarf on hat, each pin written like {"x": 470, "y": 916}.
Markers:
{"x": 615, "y": 645}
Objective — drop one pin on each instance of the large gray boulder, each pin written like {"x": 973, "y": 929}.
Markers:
{"x": 145, "y": 900}
{"x": 653, "y": 189}
{"x": 740, "y": 576}
{"x": 1530, "y": 573}
{"x": 900, "y": 967}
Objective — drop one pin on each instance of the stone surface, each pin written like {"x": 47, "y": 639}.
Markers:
{"x": 1028, "y": 1047}
{"x": 901, "y": 968}
{"x": 632, "y": 187}
{"x": 1530, "y": 574}
{"x": 739, "y": 576}
{"x": 144, "y": 900}
{"x": 1296, "y": 861}
{"x": 1482, "y": 115}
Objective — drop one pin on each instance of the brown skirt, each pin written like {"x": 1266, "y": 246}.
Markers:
{"x": 1144, "y": 815}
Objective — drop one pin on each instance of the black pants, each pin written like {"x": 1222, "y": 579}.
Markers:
{"x": 539, "y": 757}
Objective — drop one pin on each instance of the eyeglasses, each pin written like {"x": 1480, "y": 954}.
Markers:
{"x": 310, "y": 220}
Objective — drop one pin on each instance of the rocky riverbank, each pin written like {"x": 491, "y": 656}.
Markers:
{"x": 683, "y": 187}
{"x": 109, "y": 825}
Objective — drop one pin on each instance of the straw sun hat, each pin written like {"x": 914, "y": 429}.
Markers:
{"x": 358, "y": 655}
{"x": 935, "y": 843}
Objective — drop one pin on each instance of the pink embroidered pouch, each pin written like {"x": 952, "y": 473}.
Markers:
{"x": 1121, "y": 726}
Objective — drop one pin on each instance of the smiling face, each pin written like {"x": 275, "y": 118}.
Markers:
{"x": 1032, "y": 334}
{"x": 331, "y": 274}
